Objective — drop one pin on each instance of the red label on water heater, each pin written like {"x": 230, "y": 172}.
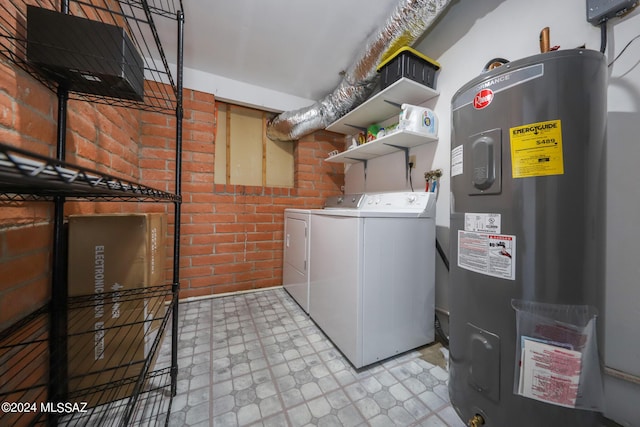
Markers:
{"x": 482, "y": 99}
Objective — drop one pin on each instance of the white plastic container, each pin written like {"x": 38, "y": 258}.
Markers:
{"x": 418, "y": 119}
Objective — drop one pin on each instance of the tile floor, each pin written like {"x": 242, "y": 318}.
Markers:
{"x": 256, "y": 359}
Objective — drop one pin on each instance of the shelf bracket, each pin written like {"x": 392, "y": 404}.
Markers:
{"x": 395, "y": 104}
{"x": 406, "y": 157}
{"x": 357, "y": 159}
{"x": 360, "y": 128}
{"x": 365, "y": 162}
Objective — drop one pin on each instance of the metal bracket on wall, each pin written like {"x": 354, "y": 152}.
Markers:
{"x": 360, "y": 128}
{"x": 364, "y": 161}
{"x": 395, "y": 104}
{"x": 406, "y": 158}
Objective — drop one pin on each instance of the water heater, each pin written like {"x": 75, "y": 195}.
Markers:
{"x": 527, "y": 242}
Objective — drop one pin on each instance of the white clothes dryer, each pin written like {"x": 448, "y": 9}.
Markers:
{"x": 295, "y": 266}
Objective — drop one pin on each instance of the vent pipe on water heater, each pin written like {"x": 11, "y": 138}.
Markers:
{"x": 527, "y": 238}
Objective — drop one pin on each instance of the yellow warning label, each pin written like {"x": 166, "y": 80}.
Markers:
{"x": 536, "y": 149}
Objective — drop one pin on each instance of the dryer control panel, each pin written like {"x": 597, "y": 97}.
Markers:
{"x": 422, "y": 204}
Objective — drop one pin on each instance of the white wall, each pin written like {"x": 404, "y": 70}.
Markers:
{"x": 242, "y": 93}
{"x": 471, "y": 33}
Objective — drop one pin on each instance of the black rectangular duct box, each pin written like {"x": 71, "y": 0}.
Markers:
{"x": 85, "y": 55}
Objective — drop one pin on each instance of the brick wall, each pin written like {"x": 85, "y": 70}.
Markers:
{"x": 231, "y": 235}
{"x": 26, "y": 120}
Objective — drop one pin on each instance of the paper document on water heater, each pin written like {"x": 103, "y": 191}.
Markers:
{"x": 483, "y": 222}
{"x": 457, "y": 160}
{"x": 486, "y": 253}
{"x": 549, "y": 373}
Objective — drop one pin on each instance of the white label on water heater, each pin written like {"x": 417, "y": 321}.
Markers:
{"x": 489, "y": 254}
{"x": 482, "y": 222}
{"x": 456, "y": 161}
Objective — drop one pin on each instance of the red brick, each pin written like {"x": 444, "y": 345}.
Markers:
{"x": 268, "y": 283}
{"x": 201, "y": 239}
{"x": 19, "y": 301}
{"x": 269, "y": 265}
{"x": 232, "y": 268}
{"x": 193, "y": 292}
{"x": 196, "y": 272}
{"x": 33, "y": 124}
{"x": 226, "y": 286}
{"x": 252, "y": 275}
{"x": 260, "y": 237}
{"x": 230, "y": 228}
{"x": 26, "y": 239}
{"x": 225, "y": 248}
{"x": 35, "y": 95}
{"x": 7, "y": 109}
{"x": 225, "y": 238}
{"x": 261, "y": 255}
{"x": 153, "y": 118}
{"x": 221, "y": 224}
{"x": 9, "y": 75}
{"x": 222, "y": 279}
{"x": 197, "y": 229}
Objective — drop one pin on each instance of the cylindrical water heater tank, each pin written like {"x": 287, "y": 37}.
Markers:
{"x": 527, "y": 230}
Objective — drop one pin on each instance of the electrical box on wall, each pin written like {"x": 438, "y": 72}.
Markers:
{"x": 599, "y": 10}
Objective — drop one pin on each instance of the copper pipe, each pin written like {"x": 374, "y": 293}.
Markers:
{"x": 544, "y": 40}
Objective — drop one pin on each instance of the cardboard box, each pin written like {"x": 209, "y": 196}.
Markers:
{"x": 113, "y": 260}
{"x": 111, "y": 250}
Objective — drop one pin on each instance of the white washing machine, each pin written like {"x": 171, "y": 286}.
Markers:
{"x": 295, "y": 266}
{"x": 372, "y": 289}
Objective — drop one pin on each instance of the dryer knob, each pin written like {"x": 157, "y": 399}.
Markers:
{"x": 412, "y": 198}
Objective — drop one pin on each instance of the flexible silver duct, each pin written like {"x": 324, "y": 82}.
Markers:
{"x": 406, "y": 24}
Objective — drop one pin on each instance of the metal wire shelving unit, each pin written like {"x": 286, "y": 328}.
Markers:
{"x": 36, "y": 352}
{"x": 26, "y": 176}
{"x": 137, "y": 17}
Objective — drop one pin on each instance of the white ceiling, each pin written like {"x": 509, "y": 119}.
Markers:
{"x": 294, "y": 47}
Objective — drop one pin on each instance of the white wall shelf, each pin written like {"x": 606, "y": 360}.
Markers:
{"x": 383, "y": 105}
{"x": 397, "y": 141}
{"x": 380, "y": 107}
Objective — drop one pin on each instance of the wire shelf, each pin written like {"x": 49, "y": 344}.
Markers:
{"x": 111, "y": 361}
{"x": 24, "y": 352}
{"x": 29, "y": 176}
{"x": 135, "y": 17}
{"x": 129, "y": 386}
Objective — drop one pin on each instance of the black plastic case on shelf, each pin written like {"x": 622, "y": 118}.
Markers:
{"x": 407, "y": 62}
{"x": 64, "y": 48}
